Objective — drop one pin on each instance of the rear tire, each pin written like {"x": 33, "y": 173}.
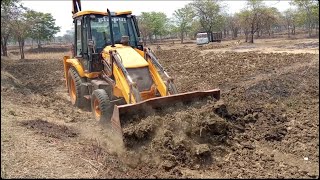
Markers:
{"x": 75, "y": 91}
{"x": 101, "y": 106}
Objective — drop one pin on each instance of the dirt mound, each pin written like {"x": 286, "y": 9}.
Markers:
{"x": 307, "y": 45}
{"x": 218, "y": 70}
{"x": 212, "y": 46}
{"x": 49, "y": 49}
{"x": 270, "y": 126}
{"x": 191, "y": 135}
{"x": 49, "y": 129}
{"x": 8, "y": 81}
{"x": 38, "y": 76}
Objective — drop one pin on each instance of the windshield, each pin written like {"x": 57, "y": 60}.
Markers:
{"x": 122, "y": 26}
{"x": 202, "y": 35}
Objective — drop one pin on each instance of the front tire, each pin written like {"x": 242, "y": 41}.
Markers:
{"x": 75, "y": 91}
{"x": 172, "y": 89}
{"x": 101, "y": 106}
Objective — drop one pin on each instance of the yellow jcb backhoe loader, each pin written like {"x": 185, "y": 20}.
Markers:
{"x": 112, "y": 72}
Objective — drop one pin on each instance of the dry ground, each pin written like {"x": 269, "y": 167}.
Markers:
{"x": 269, "y": 118}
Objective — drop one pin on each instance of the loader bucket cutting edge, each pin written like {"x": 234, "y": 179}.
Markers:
{"x": 157, "y": 102}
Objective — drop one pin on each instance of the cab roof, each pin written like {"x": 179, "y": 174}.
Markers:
{"x": 82, "y": 13}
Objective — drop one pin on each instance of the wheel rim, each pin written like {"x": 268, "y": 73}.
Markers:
{"x": 96, "y": 109}
{"x": 72, "y": 91}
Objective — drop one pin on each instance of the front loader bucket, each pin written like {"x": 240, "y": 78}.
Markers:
{"x": 159, "y": 102}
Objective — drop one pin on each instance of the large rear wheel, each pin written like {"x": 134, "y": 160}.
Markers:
{"x": 75, "y": 91}
{"x": 101, "y": 106}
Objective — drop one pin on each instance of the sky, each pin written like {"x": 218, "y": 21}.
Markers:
{"x": 61, "y": 9}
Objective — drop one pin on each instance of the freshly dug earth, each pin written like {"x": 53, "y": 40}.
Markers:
{"x": 49, "y": 129}
{"x": 265, "y": 125}
{"x": 187, "y": 135}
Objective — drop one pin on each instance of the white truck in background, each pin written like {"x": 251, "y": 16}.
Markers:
{"x": 206, "y": 37}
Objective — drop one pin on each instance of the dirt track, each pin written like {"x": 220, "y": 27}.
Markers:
{"x": 266, "y": 124}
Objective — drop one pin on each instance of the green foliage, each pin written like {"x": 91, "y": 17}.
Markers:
{"x": 20, "y": 23}
{"x": 7, "y": 3}
{"x": 209, "y": 14}
{"x": 308, "y": 13}
{"x": 254, "y": 5}
{"x": 155, "y": 22}
{"x": 43, "y": 25}
{"x": 8, "y": 8}
{"x": 184, "y": 18}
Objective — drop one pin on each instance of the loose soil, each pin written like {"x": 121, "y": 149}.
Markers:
{"x": 264, "y": 126}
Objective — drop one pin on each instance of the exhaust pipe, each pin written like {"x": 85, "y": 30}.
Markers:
{"x": 110, "y": 26}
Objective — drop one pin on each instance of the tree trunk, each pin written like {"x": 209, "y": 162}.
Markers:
{"x": 288, "y": 32}
{"x": 236, "y": 32}
{"x": 4, "y": 43}
{"x": 150, "y": 39}
{"x": 39, "y": 44}
{"x": 181, "y": 37}
{"x": 21, "y": 45}
{"x": 251, "y": 40}
{"x": 246, "y": 33}
{"x": 233, "y": 33}
{"x": 252, "y": 33}
{"x": 309, "y": 29}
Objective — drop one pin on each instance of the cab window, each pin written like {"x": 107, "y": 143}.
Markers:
{"x": 78, "y": 38}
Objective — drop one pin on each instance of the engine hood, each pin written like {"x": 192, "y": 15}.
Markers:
{"x": 130, "y": 57}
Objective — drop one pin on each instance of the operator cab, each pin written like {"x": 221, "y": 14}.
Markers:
{"x": 123, "y": 29}
{"x": 93, "y": 34}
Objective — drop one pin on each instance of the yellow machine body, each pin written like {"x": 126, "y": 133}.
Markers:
{"x": 122, "y": 57}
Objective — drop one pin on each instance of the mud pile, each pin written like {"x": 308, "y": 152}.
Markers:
{"x": 190, "y": 135}
{"x": 49, "y": 129}
{"x": 212, "y": 46}
{"x": 193, "y": 71}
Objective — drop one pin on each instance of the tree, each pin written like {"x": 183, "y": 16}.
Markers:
{"x": 69, "y": 36}
{"x": 270, "y": 18}
{"x": 20, "y": 27}
{"x": 234, "y": 25}
{"x": 255, "y": 8}
{"x": 7, "y": 10}
{"x": 244, "y": 17}
{"x": 194, "y": 28}
{"x": 152, "y": 23}
{"x": 159, "y": 21}
{"x": 290, "y": 17}
{"x": 43, "y": 26}
{"x": 184, "y": 18}
{"x": 310, "y": 12}
{"x": 145, "y": 24}
{"x": 171, "y": 29}
{"x": 209, "y": 14}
